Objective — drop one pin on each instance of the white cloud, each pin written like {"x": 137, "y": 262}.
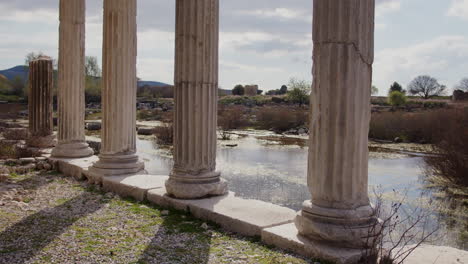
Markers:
{"x": 458, "y": 8}
{"x": 385, "y": 7}
{"x": 442, "y": 57}
{"x": 280, "y": 13}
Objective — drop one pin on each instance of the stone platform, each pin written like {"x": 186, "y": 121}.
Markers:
{"x": 273, "y": 223}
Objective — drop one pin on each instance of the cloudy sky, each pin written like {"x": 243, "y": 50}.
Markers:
{"x": 263, "y": 42}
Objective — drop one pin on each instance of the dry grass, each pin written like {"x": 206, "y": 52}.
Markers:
{"x": 452, "y": 147}
{"x": 164, "y": 134}
{"x": 281, "y": 119}
{"x": 423, "y": 127}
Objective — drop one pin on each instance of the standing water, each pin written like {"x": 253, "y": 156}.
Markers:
{"x": 259, "y": 166}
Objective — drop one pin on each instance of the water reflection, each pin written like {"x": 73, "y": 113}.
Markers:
{"x": 269, "y": 170}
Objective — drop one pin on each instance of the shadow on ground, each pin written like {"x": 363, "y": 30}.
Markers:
{"x": 23, "y": 240}
{"x": 180, "y": 239}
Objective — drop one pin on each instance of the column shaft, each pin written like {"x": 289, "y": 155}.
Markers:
{"x": 71, "y": 81}
{"x": 40, "y": 99}
{"x": 343, "y": 35}
{"x": 196, "y": 95}
{"x": 118, "y": 135}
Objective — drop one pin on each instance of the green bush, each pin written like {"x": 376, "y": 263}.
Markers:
{"x": 397, "y": 98}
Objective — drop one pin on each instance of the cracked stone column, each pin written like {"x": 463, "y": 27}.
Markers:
{"x": 118, "y": 135}
{"x": 340, "y": 211}
{"x": 196, "y": 95}
{"x": 71, "y": 82}
{"x": 40, "y": 103}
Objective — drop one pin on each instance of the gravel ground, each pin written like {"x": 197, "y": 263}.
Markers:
{"x": 48, "y": 218}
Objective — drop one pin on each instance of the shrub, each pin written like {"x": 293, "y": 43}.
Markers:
{"x": 238, "y": 90}
{"x": 299, "y": 92}
{"x": 281, "y": 119}
{"x": 231, "y": 118}
{"x": 424, "y": 127}
{"x": 397, "y": 98}
{"x": 7, "y": 151}
{"x": 164, "y": 134}
{"x": 452, "y": 147}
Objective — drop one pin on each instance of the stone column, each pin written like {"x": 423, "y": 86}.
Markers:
{"x": 195, "y": 97}
{"x": 340, "y": 211}
{"x": 40, "y": 99}
{"x": 118, "y": 135}
{"x": 71, "y": 81}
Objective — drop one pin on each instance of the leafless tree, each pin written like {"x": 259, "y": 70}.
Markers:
{"x": 463, "y": 85}
{"x": 400, "y": 231}
{"x": 426, "y": 87}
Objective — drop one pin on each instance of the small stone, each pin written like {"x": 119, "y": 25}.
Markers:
{"x": 4, "y": 170}
{"x": 47, "y": 166}
{"x": 27, "y": 160}
{"x": 3, "y": 177}
{"x": 164, "y": 212}
{"x": 204, "y": 226}
{"x": 39, "y": 159}
{"x": 109, "y": 195}
{"x": 40, "y": 166}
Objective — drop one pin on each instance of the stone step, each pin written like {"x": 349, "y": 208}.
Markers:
{"x": 135, "y": 186}
{"x": 243, "y": 216}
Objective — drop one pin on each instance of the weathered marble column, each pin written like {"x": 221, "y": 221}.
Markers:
{"x": 40, "y": 99}
{"x": 71, "y": 81}
{"x": 196, "y": 95}
{"x": 118, "y": 135}
{"x": 340, "y": 211}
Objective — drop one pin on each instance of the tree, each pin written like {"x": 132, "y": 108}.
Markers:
{"x": 426, "y": 87}
{"x": 92, "y": 68}
{"x": 32, "y": 56}
{"x": 18, "y": 86}
{"x": 299, "y": 92}
{"x": 396, "y": 98}
{"x": 238, "y": 90}
{"x": 283, "y": 90}
{"x": 463, "y": 85}
{"x": 374, "y": 90}
{"x": 396, "y": 87}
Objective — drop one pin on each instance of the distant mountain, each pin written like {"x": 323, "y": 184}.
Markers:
{"x": 152, "y": 84}
{"x": 20, "y": 70}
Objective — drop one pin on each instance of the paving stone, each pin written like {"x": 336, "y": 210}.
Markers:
{"x": 244, "y": 216}
{"x": 135, "y": 186}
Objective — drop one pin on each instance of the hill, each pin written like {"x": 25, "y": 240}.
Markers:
{"x": 152, "y": 84}
{"x": 20, "y": 70}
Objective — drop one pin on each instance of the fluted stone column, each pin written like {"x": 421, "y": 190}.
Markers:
{"x": 71, "y": 81}
{"x": 340, "y": 211}
{"x": 40, "y": 103}
{"x": 118, "y": 135}
{"x": 196, "y": 95}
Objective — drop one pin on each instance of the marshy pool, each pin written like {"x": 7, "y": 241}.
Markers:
{"x": 266, "y": 167}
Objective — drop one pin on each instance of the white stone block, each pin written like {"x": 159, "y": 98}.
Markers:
{"x": 135, "y": 186}
{"x": 244, "y": 216}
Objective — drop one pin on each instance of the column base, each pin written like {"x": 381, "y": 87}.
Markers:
{"x": 196, "y": 186}
{"x": 347, "y": 228}
{"x": 72, "y": 150}
{"x": 115, "y": 165}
